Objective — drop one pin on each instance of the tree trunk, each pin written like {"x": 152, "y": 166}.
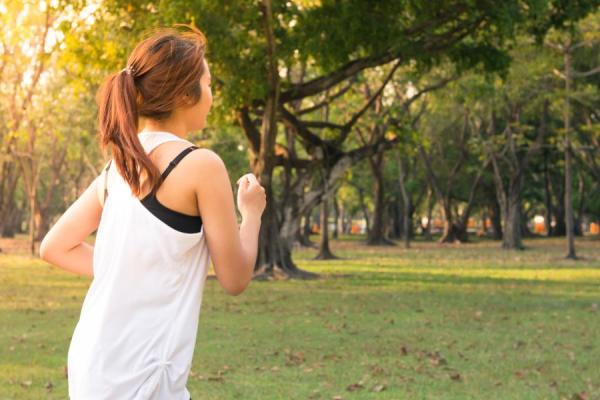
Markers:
{"x": 511, "y": 238}
{"x": 496, "y": 219}
{"x": 398, "y": 222}
{"x": 32, "y": 214}
{"x": 8, "y": 206}
{"x": 336, "y": 215}
{"x": 430, "y": 205}
{"x": 345, "y": 221}
{"x": 363, "y": 206}
{"x": 376, "y": 236}
{"x": 560, "y": 226}
{"x": 324, "y": 250}
{"x": 11, "y": 218}
{"x": 581, "y": 207}
{"x": 307, "y": 230}
{"x": 509, "y": 195}
{"x": 274, "y": 253}
{"x": 568, "y": 168}
{"x": 548, "y": 212}
{"x": 447, "y": 232}
{"x": 407, "y": 210}
{"x": 483, "y": 231}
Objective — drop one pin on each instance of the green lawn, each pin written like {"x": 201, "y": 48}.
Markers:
{"x": 433, "y": 322}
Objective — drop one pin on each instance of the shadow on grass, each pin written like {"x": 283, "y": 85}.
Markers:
{"x": 400, "y": 278}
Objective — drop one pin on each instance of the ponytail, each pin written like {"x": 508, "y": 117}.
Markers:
{"x": 118, "y": 126}
{"x": 163, "y": 72}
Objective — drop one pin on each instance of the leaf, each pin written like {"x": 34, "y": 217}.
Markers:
{"x": 295, "y": 358}
{"x": 354, "y": 386}
{"x": 455, "y": 376}
{"x": 377, "y": 370}
{"x": 378, "y": 388}
{"x": 437, "y": 359}
{"x": 520, "y": 374}
{"x": 580, "y": 396}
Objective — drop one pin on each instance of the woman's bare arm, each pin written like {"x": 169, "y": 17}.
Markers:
{"x": 64, "y": 245}
{"x": 232, "y": 249}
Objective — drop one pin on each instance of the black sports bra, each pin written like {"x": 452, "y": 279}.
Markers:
{"x": 175, "y": 219}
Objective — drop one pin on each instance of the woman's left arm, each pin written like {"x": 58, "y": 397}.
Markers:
{"x": 64, "y": 245}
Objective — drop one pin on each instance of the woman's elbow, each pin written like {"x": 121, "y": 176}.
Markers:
{"x": 45, "y": 249}
{"x": 235, "y": 287}
{"x": 233, "y": 281}
{"x": 236, "y": 290}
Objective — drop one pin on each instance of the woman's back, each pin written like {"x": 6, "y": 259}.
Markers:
{"x": 137, "y": 328}
{"x": 138, "y": 324}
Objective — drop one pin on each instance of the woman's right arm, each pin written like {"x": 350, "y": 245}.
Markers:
{"x": 233, "y": 250}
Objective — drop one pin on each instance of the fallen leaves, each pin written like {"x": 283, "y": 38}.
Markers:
{"x": 580, "y": 396}
{"x": 377, "y": 370}
{"x": 378, "y": 388}
{"x": 455, "y": 376}
{"x": 26, "y": 383}
{"x": 436, "y": 358}
{"x": 331, "y": 356}
{"x": 294, "y": 358}
{"x": 519, "y": 374}
{"x": 218, "y": 377}
{"x": 355, "y": 386}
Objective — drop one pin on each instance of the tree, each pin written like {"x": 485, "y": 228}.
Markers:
{"x": 329, "y": 42}
{"x": 30, "y": 50}
{"x": 567, "y": 45}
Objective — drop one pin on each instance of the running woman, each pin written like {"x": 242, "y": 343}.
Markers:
{"x": 162, "y": 209}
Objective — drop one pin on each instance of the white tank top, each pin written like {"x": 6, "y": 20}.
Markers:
{"x": 137, "y": 329}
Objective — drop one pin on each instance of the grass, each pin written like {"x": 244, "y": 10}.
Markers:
{"x": 465, "y": 321}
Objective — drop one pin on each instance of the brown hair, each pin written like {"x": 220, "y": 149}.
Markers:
{"x": 160, "y": 70}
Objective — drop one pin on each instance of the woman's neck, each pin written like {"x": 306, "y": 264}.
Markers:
{"x": 172, "y": 126}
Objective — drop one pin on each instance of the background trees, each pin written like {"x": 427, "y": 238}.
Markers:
{"x": 394, "y": 113}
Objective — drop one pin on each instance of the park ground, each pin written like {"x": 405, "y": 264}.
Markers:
{"x": 466, "y": 321}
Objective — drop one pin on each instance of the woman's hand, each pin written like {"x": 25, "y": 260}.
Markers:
{"x": 251, "y": 196}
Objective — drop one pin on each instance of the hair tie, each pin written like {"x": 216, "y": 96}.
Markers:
{"x": 128, "y": 70}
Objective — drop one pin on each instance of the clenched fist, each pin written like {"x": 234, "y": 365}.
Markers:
{"x": 251, "y": 196}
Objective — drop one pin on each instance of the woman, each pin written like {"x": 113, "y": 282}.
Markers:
{"x": 155, "y": 236}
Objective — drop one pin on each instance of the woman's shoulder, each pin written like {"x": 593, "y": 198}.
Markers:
{"x": 205, "y": 160}
{"x": 207, "y": 171}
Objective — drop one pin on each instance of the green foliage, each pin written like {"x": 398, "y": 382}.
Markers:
{"x": 324, "y": 35}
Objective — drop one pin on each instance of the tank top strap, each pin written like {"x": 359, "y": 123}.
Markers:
{"x": 152, "y": 139}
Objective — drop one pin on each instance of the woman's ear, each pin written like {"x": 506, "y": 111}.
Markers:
{"x": 187, "y": 99}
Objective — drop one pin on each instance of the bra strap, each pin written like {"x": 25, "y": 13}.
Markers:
{"x": 175, "y": 161}
{"x": 168, "y": 170}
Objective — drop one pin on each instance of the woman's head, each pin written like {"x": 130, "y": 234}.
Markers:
{"x": 166, "y": 78}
